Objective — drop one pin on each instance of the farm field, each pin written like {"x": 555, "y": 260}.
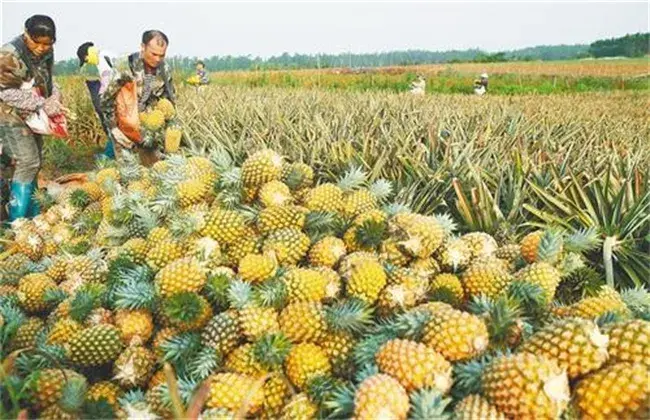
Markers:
{"x": 327, "y": 245}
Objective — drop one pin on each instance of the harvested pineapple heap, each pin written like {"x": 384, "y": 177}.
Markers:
{"x": 197, "y": 286}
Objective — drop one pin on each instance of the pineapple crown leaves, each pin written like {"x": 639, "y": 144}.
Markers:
{"x": 132, "y": 396}
{"x": 206, "y": 362}
{"x": 531, "y": 297}
{"x": 583, "y": 240}
{"x": 409, "y": 325}
{"x": 83, "y": 304}
{"x": 608, "y": 318}
{"x": 501, "y": 316}
{"x": 54, "y": 296}
{"x": 221, "y": 159}
{"x": 351, "y": 315}
{"x": 365, "y": 350}
{"x": 216, "y": 289}
{"x": 184, "y": 307}
{"x": 129, "y": 167}
{"x": 181, "y": 347}
{"x": 428, "y": 404}
{"x": 249, "y": 213}
{"x": 166, "y": 202}
{"x": 444, "y": 294}
{"x": 468, "y": 376}
{"x": 13, "y": 317}
{"x": 637, "y": 300}
{"x": 80, "y": 199}
{"x": 371, "y": 233}
{"x": 365, "y": 372}
{"x": 182, "y": 225}
{"x": 381, "y": 189}
{"x": 240, "y": 294}
{"x": 447, "y": 222}
{"x": 271, "y": 350}
{"x": 186, "y": 389}
{"x": 294, "y": 178}
{"x": 271, "y": 293}
{"x": 320, "y": 388}
{"x": 320, "y": 222}
{"x": 97, "y": 410}
{"x": 353, "y": 179}
{"x": 230, "y": 179}
{"x": 550, "y": 246}
{"x": 340, "y": 401}
{"x": 571, "y": 262}
{"x": 43, "y": 356}
{"x": 396, "y": 208}
{"x": 73, "y": 394}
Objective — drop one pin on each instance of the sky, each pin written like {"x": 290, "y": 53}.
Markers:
{"x": 271, "y": 28}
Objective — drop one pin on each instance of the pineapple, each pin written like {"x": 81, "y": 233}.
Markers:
{"x": 166, "y": 107}
{"x": 365, "y": 280}
{"x": 542, "y": 274}
{"x": 391, "y": 252}
{"x": 510, "y": 253}
{"x": 225, "y": 226}
{"x": 395, "y": 298}
{"x": 153, "y": 120}
{"x": 290, "y": 245}
{"x": 30, "y": 243}
{"x": 366, "y": 232}
{"x": 411, "y": 280}
{"x": 455, "y": 334}
{"x": 575, "y": 345}
{"x": 136, "y": 327}
{"x": 89, "y": 268}
{"x": 526, "y": 386}
{"x": 480, "y": 244}
{"x": 325, "y": 197}
{"x": 62, "y": 331}
{"x": 261, "y": 167}
{"x": 106, "y": 390}
{"x": 420, "y": 236}
{"x": 327, "y": 252}
{"x": 474, "y": 407}
{"x": 134, "y": 367}
{"x": 236, "y": 392}
{"x": 190, "y": 192}
{"x": 274, "y": 218}
{"x": 159, "y": 234}
{"x": 257, "y": 268}
{"x": 305, "y": 285}
{"x": 95, "y": 346}
{"x": 529, "y": 246}
{"x": 249, "y": 243}
{"x": 298, "y": 176}
{"x": 274, "y": 193}
{"x": 277, "y": 392}
{"x": 26, "y": 334}
{"x": 222, "y": 332}
{"x": 173, "y": 137}
{"x": 448, "y": 288}
{"x": 487, "y": 277}
{"x": 303, "y": 321}
{"x": 257, "y": 321}
{"x": 427, "y": 267}
{"x": 161, "y": 337}
{"x": 454, "y": 255}
{"x": 163, "y": 253}
{"x": 300, "y": 407}
{"x": 242, "y": 360}
{"x": 135, "y": 249}
{"x": 618, "y": 391}
{"x": 183, "y": 275}
{"x": 381, "y": 396}
{"x": 304, "y": 362}
{"x": 629, "y": 341}
{"x": 49, "y": 384}
{"x": 338, "y": 347}
{"x": 414, "y": 365}
{"x": 31, "y": 292}
{"x": 606, "y": 300}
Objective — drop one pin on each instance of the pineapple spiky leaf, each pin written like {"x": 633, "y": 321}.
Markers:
{"x": 371, "y": 233}
{"x": 73, "y": 394}
{"x": 351, "y": 315}
{"x": 183, "y": 307}
{"x": 583, "y": 240}
{"x": 340, "y": 402}
{"x": 382, "y": 189}
{"x": 271, "y": 350}
{"x": 205, "y": 363}
{"x": 428, "y": 404}
{"x": 353, "y": 178}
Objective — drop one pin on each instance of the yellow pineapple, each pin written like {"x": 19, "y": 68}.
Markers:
{"x": 289, "y": 245}
{"x": 183, "y": 275}
{"x": 573, "y": 344}
{"x": 62, "y": 331}
{"x": 164, "y": 253}
{"x": 106, "y": 390}
{"x": 257, "y": 321}
{"x": 31, "y": 292}
{"x": 476, "y": 407}
{"x": 391, "y": 252}
{"x": 618, "y": 391}
{"x": 134, "y": 366}
{"x": 136, "y": 326}
{"x": 419, "y": 235}
{"x": 487, "y": 277}
{"x": 95, "y": 346}
{"x": 158, "y": 234}
{"x": 303, "y": 321}
{"x": 242, "y": 360}
{"x": 414, "y": 365}
{"x": 526, "y": 386}
{"x": 236, "y": 392}
{"x": 305, "y": 285}
{"x": 274, "y": 193}
{"x": 49, "y": 384}
{"x": 447, "y": 287}
{"x": 338, "y": 347}
{"x": 249, "y": 243}
{"x": 365, "y": 280}
{"x": 481, "y": 244}
{"x": 257, "y": 267}
{"x": 225, "y": 226}
{"x": 529, "y": 246}
{"x": 274, "y": 218}
{"x": 165, "y": 106}
{"x": 606, "y": 300}
{"x": 629, "y": 341}
{"x": 261, "y": 167}
{"x": 327, "y": 252}
{"x": 298, "y": 176}
{"x": 300, "y": 407}
{"x": 541, "y": 274}
{"x": 325, "y": 197}
{"x": 191, "y": 191}
{"x": 173, "y": 136}
{"x": 304, "y": 362}
{"x": 455, "y": 334}
{"x": 381, "y": 396}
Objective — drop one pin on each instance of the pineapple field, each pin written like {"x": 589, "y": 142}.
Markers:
{"x": 308, "y": 254}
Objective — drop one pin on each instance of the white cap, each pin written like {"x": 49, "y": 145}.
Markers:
{"x": 484, "y": 75}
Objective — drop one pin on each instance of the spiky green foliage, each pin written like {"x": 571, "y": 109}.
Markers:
{"x": 271, "y": 350}
{"x": 550, "y": 246}
{"x": 83, "y": 304}
{"x": 321, "y": 388}
{"x": 429, "y": 404}
{"x": 365, "y": 349}
{"x": 340, "y": 402}
{"x": 381, "y": 189}
{"x": 13, "y": 317}
{"x": 608, "y": 318}
{"x": 43, "y": 356}
{"x": 447, "y": 222}
{"x": 181, "y": 347}
{"x": 186, "y": 389}
{"x": 350, "y": 315}
{"x": 319, "y": 224}
{"x": 134, "y": 294}
{"x": 371, "y": 234}
{"x": 365, "y": 371}
{"x": 638, "y": 301}
{"x": 583, "y": 240}
{"x": 80, "y": 199}
{"x": 393, "y": 209}
{"x": 76, "y": 248}
{"x": 272, "y": 293}
{"x": 353, "y": 178}
{"x": 183, "y": 307}
{"x": 73, "y": 394}
{"x": 206, "y": 362}
{"x": 240, "y": 294}
{"x": 97, "y": 410}
{"x": 585, "y": 281}
{"x": 501, "y": 317}
{"x": 467, "y": 376}
{"x": 216, "y": 289}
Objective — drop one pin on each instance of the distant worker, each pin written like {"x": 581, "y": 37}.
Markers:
{"x": 419, "y": 85}
{"x": 97, "y": 68}
{"x": 481, "y": 85}
{"x": 202, "y": 73}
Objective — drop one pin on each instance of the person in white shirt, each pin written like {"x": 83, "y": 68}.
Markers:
{"x": 481, "y": 85}
{"x": 419, "y": 85}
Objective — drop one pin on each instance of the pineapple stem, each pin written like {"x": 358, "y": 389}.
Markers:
{"x": 608, "y": 250}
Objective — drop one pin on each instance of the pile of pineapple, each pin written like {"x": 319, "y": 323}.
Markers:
{"x": 160, "y": 128}
{"x": 198, "y": 286}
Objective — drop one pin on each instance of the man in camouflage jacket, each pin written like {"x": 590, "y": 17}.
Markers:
{"x": 153, "y": 79}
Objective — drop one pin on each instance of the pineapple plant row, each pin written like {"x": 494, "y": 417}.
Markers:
{"x": 200, "y": 287}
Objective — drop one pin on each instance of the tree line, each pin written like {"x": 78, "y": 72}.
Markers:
{"x": 629, "y": 46}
